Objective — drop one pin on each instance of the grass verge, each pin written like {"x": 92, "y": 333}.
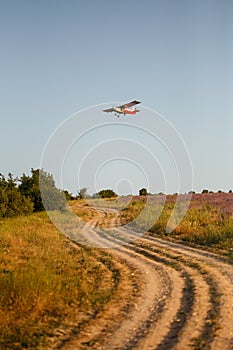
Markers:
{"x": 47, "y": 286}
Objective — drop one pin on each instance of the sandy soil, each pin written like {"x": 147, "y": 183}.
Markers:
{"x": 170, "y": 296}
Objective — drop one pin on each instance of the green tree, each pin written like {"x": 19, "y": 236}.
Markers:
{"x": 27, "y": 196}
{"x": 82, "y": 193}
{"x": 30, "y": 187}
{"x": 143, "y": 192}
{"x": 41, "y": 190}
{"x": 12, "y": 201}
{"x": 68, "y": 195}
{"x": 3, "y": 202}
{"x": 52, "y": 197}
{"x": 107, "y": 194}
{"x": 17, "y": 203}
{"x": 3, "y": 196}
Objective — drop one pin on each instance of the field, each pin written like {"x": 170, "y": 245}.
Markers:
{"x": 51, "y": 289}
{"x": 208, "y": 220}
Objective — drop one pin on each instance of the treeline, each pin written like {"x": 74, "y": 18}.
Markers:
{"x": 21, "y": 196}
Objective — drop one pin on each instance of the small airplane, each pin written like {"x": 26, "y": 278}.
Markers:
{"x": 124, "y": 109}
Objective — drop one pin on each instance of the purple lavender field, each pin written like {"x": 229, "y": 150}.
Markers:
{"x": 207, "y": 221}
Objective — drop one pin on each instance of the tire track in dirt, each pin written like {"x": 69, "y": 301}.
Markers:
{"x": 184, "y": 295}
{"x": 196, "y": 303}
{"x": 176, "y": 324}
{"x": 104, "y": 322}
{"x": 162, "y": 288}
{"x": 219, "y": 275}
{"x": 221, "y": 272}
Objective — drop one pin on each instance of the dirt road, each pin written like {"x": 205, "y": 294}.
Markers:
{"x": 169, "y": 297}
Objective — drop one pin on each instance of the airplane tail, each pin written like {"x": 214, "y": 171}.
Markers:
{"x": 135, "y": 110}
{"x": 131, "y": 111}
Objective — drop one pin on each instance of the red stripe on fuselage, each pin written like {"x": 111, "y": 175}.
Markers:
{"x": 130, "y": 111}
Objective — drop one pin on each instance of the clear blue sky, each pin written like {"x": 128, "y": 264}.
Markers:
{"x": 58, "y": 57}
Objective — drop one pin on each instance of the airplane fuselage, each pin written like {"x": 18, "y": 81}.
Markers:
{"x": 118, "y": 110}
{"x": 125, "y": 111}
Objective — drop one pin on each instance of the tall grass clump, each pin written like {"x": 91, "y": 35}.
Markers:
{"x": 207, "y": 226}
{"x": 204, "y": 225}
{"x": 45, "y": 283}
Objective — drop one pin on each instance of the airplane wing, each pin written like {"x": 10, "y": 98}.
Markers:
{"x": 108, "y": 110}
{"x": 129, "y": 104}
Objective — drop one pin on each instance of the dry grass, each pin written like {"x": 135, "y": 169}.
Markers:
{"x": 83, "y": 210}
{"x": 45, "y": 283}
{"x": 207, "y": 224}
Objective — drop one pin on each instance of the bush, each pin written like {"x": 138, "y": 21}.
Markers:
{"x": 26, "y": 197}
{"x": 12, "y": 201}
{"x": 143, "y": 192}
{"x": 30, "y": 188}
{"x": 53, "y": 198}
{"x": 107, "y": 194}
